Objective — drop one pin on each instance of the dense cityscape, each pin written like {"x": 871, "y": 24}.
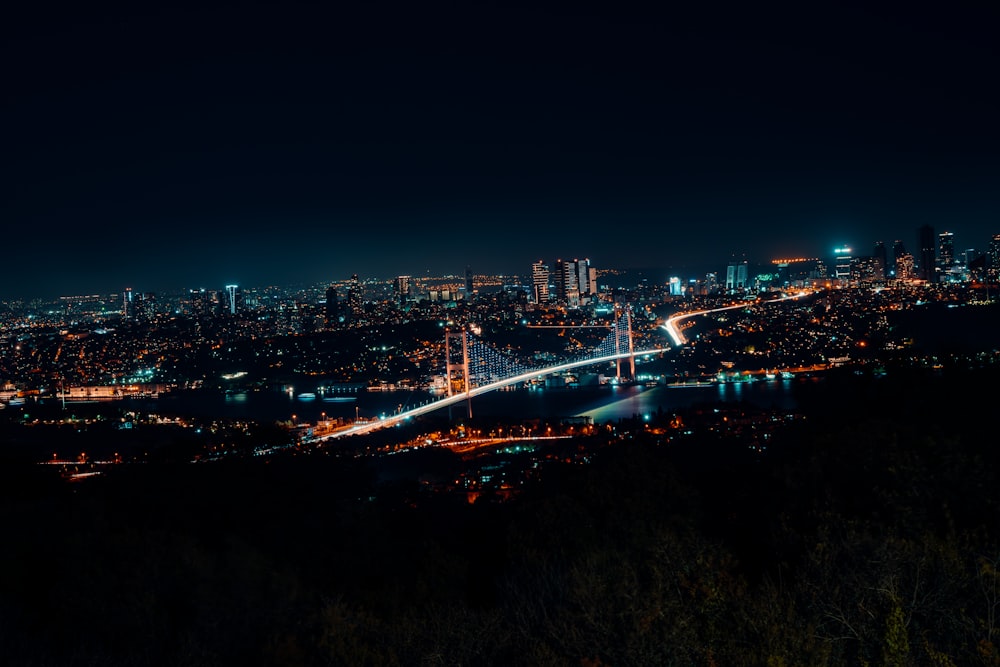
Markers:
{"x": 523, "y": 334}
{"x": 200, "y": 335}
{"x": 339, "y": 341}
{"x": 349, "y": 375}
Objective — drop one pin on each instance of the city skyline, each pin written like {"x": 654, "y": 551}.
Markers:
{"x": 169, "y": 148}
{"x": 827, "y": 256}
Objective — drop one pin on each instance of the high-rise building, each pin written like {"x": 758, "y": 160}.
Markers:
{"x": 583, "y": 282}
{"x": 993, "y": 260}
{"x": 469, "y": 286}
{"x": 711, "y": 282}
{"x": 868, "y": 270}
{"x": 540, "y": 281}
{"x": 128, "y": 304}
{"x": 231, "y": 298}
{"x": 401, "y": 287}
{"x": 676, "y": 287}
{"x": 927, "y": 264}
{"x": 202, "y": 302}
{"x": 904, "y": 267}
{"x": 567, "y": 287}
{"x": 946, "y": 253}
{"x": 879, "y": 253}
{"x": 355, "y": 298}
{"x": 898, "y": 252}
{"x": 736, "y": 276}
{"x": 842, "y": 260}
{"x": 332, "y": 308}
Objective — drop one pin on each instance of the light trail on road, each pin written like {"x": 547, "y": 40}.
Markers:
{"x": 392, "y": 420}
{"x": 678, "y": 339}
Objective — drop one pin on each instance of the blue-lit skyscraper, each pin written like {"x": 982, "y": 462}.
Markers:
{"x": 842, "y": 263}
{"x": 231, "y": 298}
{"x": 736, "y": 276}
{"x": 128, "y": 304}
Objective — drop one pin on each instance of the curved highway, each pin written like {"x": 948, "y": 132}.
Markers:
{"x": 678, "y": 338}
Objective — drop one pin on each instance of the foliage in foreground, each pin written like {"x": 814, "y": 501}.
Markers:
{"x": 867, "y": 536}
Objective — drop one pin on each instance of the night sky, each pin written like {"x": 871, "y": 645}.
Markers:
{"x": 164, "y": 146}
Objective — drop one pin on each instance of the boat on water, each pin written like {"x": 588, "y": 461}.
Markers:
{"x": 307, "y": 396}
{"x": 692, "y": 383}
{"x": 339, "y": 399}
{"x": 17, "y": 400}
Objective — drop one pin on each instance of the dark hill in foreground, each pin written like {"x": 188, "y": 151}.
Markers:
{"x": 867, "y": 534}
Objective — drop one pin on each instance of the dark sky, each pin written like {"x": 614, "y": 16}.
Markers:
{"x": 166, "y": 146}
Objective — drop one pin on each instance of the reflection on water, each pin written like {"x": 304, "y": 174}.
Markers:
{"x": 601, "y": 404}
{"x": 628, "y": 402}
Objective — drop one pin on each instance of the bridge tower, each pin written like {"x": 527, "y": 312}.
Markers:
{"x": 464, "y": 366}
{"x": 625, "y": 312}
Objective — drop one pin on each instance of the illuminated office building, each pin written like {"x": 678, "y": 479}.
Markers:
{"x": 540, "y": 281}
{"x": 842, "y": 264}
{"x": 736, "y": 276}
{"x": 355, "y": 298}
{"x": 401, "y": 287}
{"x": 128, "y": 304}
{"x": 993, "y": 260}
{"x": 332, "y": 307}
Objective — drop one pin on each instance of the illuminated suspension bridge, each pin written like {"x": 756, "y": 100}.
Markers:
{"x": 478, "y": 367}
{"x": 483, "y": 368}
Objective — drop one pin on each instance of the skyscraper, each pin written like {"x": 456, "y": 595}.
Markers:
{"x": 879, "y": 253}
{"x": 993, "y": 260}
{"x": 469, "y": 287}
{"x": 842, "y": 263}
{"x": 231, "y": 298}
{"x": 540, "y": 282}
{"x": 736, "y": 276}
{"x": 332, "y": 309}
{"x": 898, "y": 252}
{"x": 928, "y": 265}
{"x": 583, "y": 278}
{"x": 566, "y": 281}
{"x": 128, "y": 304}
{"x": 201, "y": 302}
{"x": 402, "y": 289}
{"x": 711, "y": 282}
{"x": 355, "y": 300}
{"x": 904, "y": 267}
{"x": 946, "y": 253}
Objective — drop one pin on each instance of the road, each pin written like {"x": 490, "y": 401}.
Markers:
{"x": 670, "y": 326}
